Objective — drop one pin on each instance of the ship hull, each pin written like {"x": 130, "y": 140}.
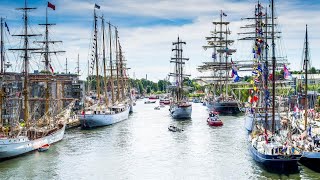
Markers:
{"x": 10, "y": 148}
{"x": 89, "y": 121}
{"x": 178, "y": 112}
{"x": 275, "y": 162}
{"x": 311, "y": 160}
{"x": 226, "y": 108}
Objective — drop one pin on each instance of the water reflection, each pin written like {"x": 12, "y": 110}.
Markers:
{"x": 143, "y": 148}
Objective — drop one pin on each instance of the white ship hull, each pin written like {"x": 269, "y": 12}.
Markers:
{"x": 96, "y": 120}
{"x": 178, "y": 112}
{"x": 11, "y": 147}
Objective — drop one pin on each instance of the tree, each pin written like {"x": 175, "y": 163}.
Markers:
{"x": 148, "y": 90}
{"x": 313, "y": 70}
{"x": 140, "y": 87}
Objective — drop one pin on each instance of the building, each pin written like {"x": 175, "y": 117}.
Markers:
{"x": 63, "y": 89}
{"x": 313, "y": 79}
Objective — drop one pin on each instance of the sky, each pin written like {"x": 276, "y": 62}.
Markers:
{"x": 147, "y": 29}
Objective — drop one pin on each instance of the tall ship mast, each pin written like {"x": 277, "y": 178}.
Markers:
{"x": 259, "y": 32}
{"x": 180, "y": 108}
{"x": 222, "y": 64}
{"x": 272, "y": 147}
{"x": 20, "y": 137}
{"x": 48, "y": 69}
{"x": 103, "y": 110}
{"x": 311, "y": 152}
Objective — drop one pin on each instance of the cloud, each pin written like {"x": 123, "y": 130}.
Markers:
{"x": 147, "y": 29}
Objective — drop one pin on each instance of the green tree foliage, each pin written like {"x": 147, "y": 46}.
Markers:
{"x": 312, "y": 70}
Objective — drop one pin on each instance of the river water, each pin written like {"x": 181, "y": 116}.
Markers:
{"x": 143, "y": 148}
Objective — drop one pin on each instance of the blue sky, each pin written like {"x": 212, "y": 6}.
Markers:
{"x": 147, "y": 28}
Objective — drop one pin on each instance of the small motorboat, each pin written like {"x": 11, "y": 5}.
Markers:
{"x": 157, "y": 108}
{"x": 153, "y": 97}
{"x": 166, "y": 102}
{"x": 44, "y": 148}
{"x": 174, "y": 128}
{"x": 213, "y": 119}
{"x": 149, "y": 102}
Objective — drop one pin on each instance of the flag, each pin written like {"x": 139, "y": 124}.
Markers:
{"x": 236, "y": 79}
{"x": 6, "y": 25}
{"x": 259, "y": 68}
{"x": 51, "y": 69}
{"x": 309, "y": 131}
{"x": 254, "y": 73}
{"x": 96, "y": 6}
{"x": 214, "y": 55}
{"x": 224, "y": 14}
{"x": 234, "y": 72}
{"x": 286, "y": 73}
{"x": 51, "y": 6}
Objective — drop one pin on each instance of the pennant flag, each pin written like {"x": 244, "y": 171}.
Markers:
{"x": 96, "y": 6}
{"x": 51, "y": 6}
{"x": 259, "y": 68}
{"x": 214, "y": 55}
{"x": 6, "y": 25}
{"x": 237, "y": 79}
{"x": 254, "y": 73}
{"x": 286, "y": 73}
{"x": 234, "y": 72}
{"x": 309, "y": 131}
{"x": 224, "y": 14}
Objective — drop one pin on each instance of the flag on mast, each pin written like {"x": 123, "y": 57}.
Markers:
{"x": 96, "y": 6}
{"x": 53, "y": 7}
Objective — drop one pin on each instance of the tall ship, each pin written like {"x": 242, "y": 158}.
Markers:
{"x": 219, "y": 98}
{"x": 24, "y": 129}
{"x": 305, "y": 119}
{"x": 272, "y": 147}
{"x": 257, "y": 31}
{"x": 111, "y": 103}
{"x": 180, "y": 108}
